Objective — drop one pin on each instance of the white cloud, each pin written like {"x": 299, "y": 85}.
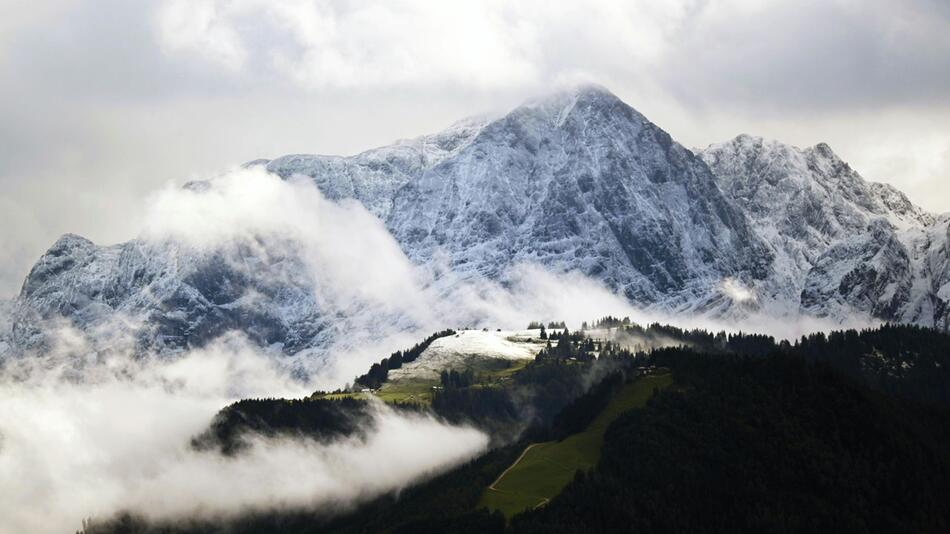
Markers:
{"x": 116, "y": 436}
{"x": 737, "y": 291}
{"x": 196, "y": 27}
{"x": 770, "y": 55}
{"x": 415, "y": 43}
{"x": 350, "y": 252}
{"x": 355, "y": 45}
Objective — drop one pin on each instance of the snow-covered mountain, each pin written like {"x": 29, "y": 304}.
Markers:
{"x": 578, "y": 181}
{"x": 173, "y": 295}
{"x": 842, "y": 246}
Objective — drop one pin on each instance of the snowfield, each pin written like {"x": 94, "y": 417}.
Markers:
{"x": 461, "y": 350}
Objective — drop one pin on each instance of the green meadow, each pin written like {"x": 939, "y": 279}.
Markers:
{"x": 545, "y": 468}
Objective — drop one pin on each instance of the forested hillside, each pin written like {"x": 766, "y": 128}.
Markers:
{"x": 821, "y": 434}
{"x": 772, "y": 445}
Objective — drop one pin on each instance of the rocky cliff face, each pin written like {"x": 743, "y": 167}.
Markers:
{"x": 578, "y": 181}
{"x": 843, "y": 246}
{"x": 168, "y": 295}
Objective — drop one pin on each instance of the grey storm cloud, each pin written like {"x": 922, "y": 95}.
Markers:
{"x": 814, "y": 56}
{"x": 102, "y": 103}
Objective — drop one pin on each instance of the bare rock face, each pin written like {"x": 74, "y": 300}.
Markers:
{"x": 578, "y": 181}
{"x": 168, "y": 295}
{"x": 843, "y": 247}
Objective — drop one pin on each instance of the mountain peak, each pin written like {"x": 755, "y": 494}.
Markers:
{"x": 754, "y": 147}
{"x": 593, "y": 91}
{"x": 759, "y": 143}
{"x": 580, "y": 91}
{"x": 68, "y": 242}
{"x": 749, "y": 142}
{"x": 586, "y": 102}
{"x": 822, "y": 149}
{"x": 811, "y": 193}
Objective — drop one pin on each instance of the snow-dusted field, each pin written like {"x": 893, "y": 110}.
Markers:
{"x": 455, "y": 352}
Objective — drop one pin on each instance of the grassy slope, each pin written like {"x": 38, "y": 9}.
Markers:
{"x": 545, "y": 468}
{"x": 490, "y": 372}
{"x": 407, "y": 390}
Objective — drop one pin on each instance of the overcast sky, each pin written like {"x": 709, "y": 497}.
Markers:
{"x": 102, "y": 102}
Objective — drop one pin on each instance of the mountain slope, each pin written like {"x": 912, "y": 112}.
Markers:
{"x": 168, "y": 294}
{"x": 843, "y": 246}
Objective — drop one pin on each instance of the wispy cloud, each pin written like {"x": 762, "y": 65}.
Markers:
{"x": 89, "y": 440}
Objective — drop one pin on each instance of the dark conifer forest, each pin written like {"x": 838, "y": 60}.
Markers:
{"x": 762, "y": 445}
